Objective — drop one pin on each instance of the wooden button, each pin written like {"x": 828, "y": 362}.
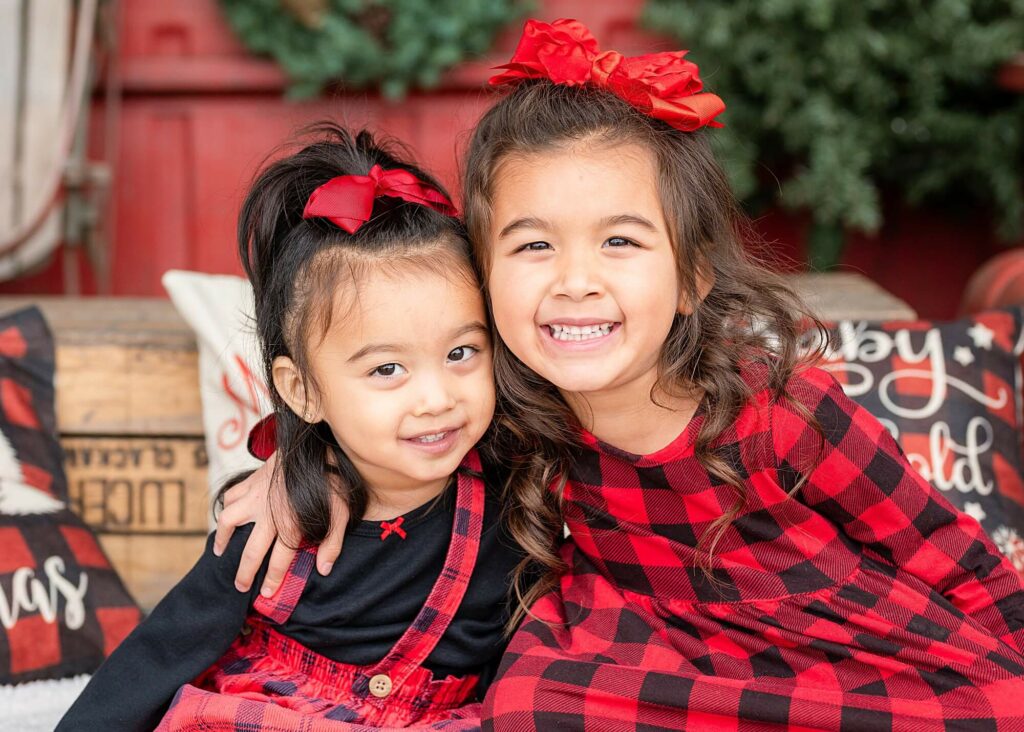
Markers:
{"x": 380, "y": 686}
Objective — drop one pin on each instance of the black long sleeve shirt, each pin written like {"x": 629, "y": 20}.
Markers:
{"x": 353, "y": 616}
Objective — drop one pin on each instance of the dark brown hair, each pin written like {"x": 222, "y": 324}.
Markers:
{"x": 749, "y": 315}
{"x": 296, "y": 266}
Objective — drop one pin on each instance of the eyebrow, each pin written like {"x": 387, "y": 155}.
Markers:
{"x": 627, "y": 218}
{"x": 374, "y": 348}
{"x": 475, "y": 327}
{"x": 524, "y": 222}
{"x": 532, "y": 222}
{"x": 371, "y": 348}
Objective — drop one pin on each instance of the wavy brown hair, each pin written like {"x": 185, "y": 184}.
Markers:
{"x": 750, "y": 315}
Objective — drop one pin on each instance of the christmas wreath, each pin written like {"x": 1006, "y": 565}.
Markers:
{"x": 394, "y": 45}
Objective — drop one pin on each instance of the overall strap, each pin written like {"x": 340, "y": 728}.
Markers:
{"x": 279, "y": 607}
{"x": 419, "y": 640}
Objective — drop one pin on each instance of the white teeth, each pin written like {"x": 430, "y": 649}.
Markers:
{"x": 432, "y": 438}
{"x": 580, "y": 332}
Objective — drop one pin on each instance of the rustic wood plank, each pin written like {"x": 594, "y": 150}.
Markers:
{"x": 849, "y": 296}
{"x": 111, "y": 320}
{"x": 136, "y": 485}
{"x": 127, "y": 390}
{"x": 148, "y": 502}
{"x": 10, "y": 75}
{"x": 125, "y": 366}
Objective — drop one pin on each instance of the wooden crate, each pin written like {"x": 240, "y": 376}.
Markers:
{"x": 147, "y": 500}
{"x": 130, "y": 420}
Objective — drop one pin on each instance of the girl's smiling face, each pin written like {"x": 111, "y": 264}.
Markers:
{"x": 582, "y": 271}
{"x": 403, "y": 375}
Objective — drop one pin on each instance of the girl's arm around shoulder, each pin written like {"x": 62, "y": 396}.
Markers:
{"x": 857, "y": 476}
{"x": 191, "y": 628}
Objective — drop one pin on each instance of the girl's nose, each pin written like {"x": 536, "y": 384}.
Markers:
{"x": 580, "y": 276}
{"x": 434, "y": 396}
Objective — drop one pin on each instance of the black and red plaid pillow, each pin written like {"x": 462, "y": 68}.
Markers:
{"x": 950, "y": 393}
{"x": 63, "y": 608}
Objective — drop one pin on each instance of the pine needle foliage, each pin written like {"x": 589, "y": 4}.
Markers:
{"x": 393, "y": 45}
{"x": 837, "y": 105}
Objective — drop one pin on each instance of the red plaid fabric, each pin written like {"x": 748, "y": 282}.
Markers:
{"x": 863, "y": 602}
{"x": 268, "y": 682}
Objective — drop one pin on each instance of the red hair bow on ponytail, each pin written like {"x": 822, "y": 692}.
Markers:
{"x": 348, "y": 199}
{"x": 661, "y": 85}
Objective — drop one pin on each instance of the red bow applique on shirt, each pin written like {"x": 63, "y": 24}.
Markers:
{"x": 392, "y": 527}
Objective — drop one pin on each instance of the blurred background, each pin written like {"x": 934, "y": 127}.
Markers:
{"x": 884, "y": 137}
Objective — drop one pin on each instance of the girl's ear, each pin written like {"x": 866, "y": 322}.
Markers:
{"x": 292, "y": 388}
{"x": 704, "y": 284}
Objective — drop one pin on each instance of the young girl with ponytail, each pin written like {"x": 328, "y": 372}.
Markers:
{"x": 375, "y": 339}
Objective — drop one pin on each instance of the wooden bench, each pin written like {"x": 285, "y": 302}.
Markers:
{"x": 130, "y": 419}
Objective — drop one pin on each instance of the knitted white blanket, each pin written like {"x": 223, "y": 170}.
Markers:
{"x": 38, "y": 705}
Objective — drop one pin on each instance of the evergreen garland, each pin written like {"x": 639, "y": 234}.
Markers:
{"x": 832, "y": 102}
{"x": 391, "y": 44}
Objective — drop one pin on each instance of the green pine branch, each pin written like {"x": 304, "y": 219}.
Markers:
{"x": 393, "y": 45}
{"x": 832, "y": 102}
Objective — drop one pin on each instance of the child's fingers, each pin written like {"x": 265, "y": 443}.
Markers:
{"x": 230, "y": 518}
{"x": 280, "y": 560}
{"x": 329, "y": 549}
{"x": 259, "y": 543}
{"x": 327, "y": 553}
{"x": 235, "y": 493}
{"x": 244, "y": 503}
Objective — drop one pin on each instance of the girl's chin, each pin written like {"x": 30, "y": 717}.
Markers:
{"x": 580, "y": 383}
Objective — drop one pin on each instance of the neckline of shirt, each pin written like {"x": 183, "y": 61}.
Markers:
{"x": 681, "y": 445}
{"x": 440, "y": 505}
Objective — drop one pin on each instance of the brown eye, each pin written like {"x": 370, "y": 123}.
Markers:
{"x": 388, "y": 370}
{"x": 462, "y": 353}
{"x": 534, "y": 246}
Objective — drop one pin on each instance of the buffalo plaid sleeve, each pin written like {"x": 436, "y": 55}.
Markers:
{"x": 187, "y": 631}
{"x": 858, "y": 477}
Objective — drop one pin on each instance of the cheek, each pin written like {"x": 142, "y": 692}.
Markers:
{"x": 483, "y": 400}
{"x": 515, "y": 330}
{"x": 662, "y": 290}
{"x": 365, "y": 412}
{"x": 510, "y": 305}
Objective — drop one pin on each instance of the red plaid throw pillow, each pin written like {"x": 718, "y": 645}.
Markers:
{"x": 951, "y": 395}
{"x": 63, "y": 608}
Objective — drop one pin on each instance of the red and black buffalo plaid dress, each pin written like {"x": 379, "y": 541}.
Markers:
{"x": 269, "y": 682}
{"x": 864, "y": 601}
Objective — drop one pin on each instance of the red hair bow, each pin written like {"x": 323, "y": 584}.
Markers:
{"x": 661, "y": 85}
{"x": 348, "y": 199}
{"x": 263, "y": 438}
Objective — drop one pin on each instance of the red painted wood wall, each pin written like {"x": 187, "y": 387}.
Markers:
{"x": 199, "y": 114}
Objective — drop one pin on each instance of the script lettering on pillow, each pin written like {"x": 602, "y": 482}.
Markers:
{"x": 951, "y": 395}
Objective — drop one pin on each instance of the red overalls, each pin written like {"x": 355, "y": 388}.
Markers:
{"x": 267, "y": 682}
